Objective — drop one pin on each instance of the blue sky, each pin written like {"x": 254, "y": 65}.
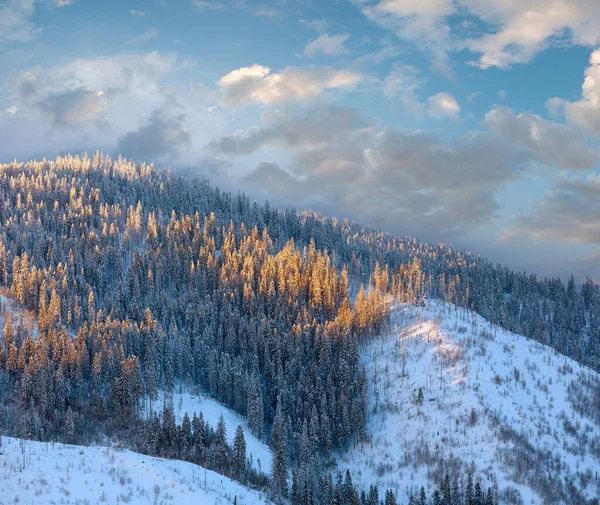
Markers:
{"x": 472, "y": 122}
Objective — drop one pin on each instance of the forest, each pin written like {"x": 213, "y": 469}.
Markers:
{"x": 130, "y": 280}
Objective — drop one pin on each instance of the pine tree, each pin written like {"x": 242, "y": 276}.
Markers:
{"x": 305, "y": 452}
{"x": 295, "y": 495}
{"x": 390, "y": 498}
{"x": 185, "y": 443}
{"x": 478, "y": 498}
{"x": 373, "y": 498}
{"x": 69, "y": 427}
{"x": 219, "y": 450}
{"x": 255, "y": 407}
{"x": 239, "y": 453}
{"x": 489, "y": 500}
{"x": 446, "y": 491}
{"x": 422, "y": 496}
{"x": 279, "y": 465}
{"x": 469, "y": 490}
{"x": 456, "y": 494}
{"x": 279, "y": 473}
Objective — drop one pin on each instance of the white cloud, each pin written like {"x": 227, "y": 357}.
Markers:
{"x": 442, "y": 105}
{"x": 585, "y": 112}
{"x": 137, "y": 13}
{"x": 328, "y": 45}
{"x": 402, "y": 83}
{"x": 429, "y": 8}
{"x": 514, "y": 31}
{"x": 128, "y": 101}
{"x": 348, "y": 165}
{"x": 83, "y": 90}
{"x": 11, "y": 111}
{"x": 257, "y": 85}
{"x": 244, "y": 73}
{"x": 526, "y": 28}
{"x": 421, "y": 22}
{"x": 160, "y": 137}
{"x": 502, "y": 93}
{"x": 74, "y": 107}
{"x": 314, "y": 126}
{"x": 552, "y": 143}
{"x": 15, "y": 21}
{"x": 570, "y": 211}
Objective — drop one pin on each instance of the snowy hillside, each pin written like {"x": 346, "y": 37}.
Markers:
{"x": 520, "y": 413}
{"x": 258, "y": 452}
{"x": 69, "y": 474}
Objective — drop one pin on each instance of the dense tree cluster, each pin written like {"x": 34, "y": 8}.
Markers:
{"x": 341, "y": 491}
{"x": 194, "y": 440}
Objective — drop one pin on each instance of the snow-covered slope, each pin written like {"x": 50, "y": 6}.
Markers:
{"x": 516, "y": 410}
{"x": 258, "y": 452}
{"x": 69, "y": 474}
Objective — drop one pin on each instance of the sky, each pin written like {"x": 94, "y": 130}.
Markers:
{"x": 469, "y": 122}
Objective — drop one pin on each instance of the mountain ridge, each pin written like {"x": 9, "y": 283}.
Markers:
{"x": 139, "y": 280}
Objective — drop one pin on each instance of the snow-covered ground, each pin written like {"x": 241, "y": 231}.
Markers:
{"x": 9, "y": 305}
{"x": 258, "y": 452}
{"x": 491, "y": 398}
{"x": 69, "y": 474}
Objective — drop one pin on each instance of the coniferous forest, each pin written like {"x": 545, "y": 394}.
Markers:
{"x": 132, "y": 280}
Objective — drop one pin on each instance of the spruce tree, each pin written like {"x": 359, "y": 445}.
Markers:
{"x": 239, "y": 453}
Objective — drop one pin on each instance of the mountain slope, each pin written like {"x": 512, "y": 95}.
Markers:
{"x": 514, "y": 409}
{"x": 70, "y": 474}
